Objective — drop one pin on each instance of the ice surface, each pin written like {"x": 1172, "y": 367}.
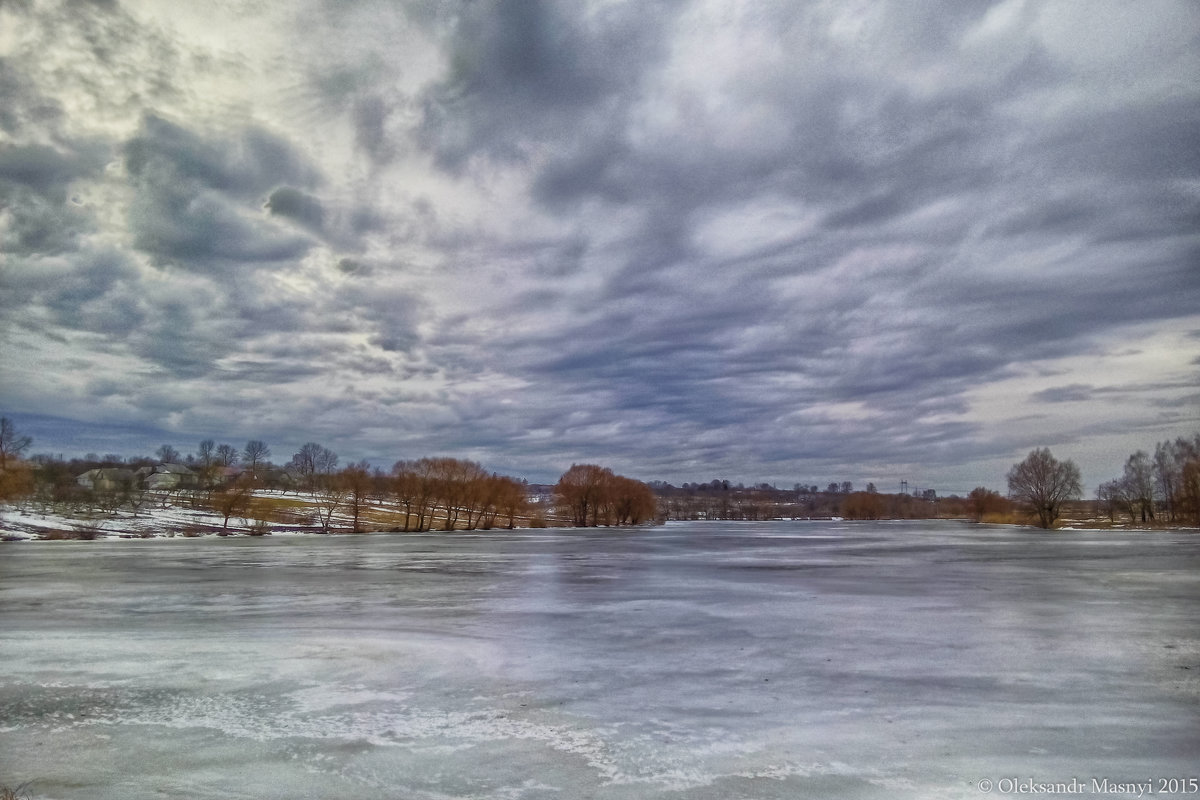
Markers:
{"x": 696, "y": 660}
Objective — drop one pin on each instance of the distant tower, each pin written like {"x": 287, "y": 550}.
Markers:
{"x": 903, "y": 487}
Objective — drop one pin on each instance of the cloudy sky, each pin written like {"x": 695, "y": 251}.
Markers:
{"x": 765, "y": 241}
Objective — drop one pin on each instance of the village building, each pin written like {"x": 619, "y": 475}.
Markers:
{"x": 107, "y": 479}
{"x": 168, "y": 477}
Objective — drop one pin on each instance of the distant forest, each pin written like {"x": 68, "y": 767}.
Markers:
{"x": 244, "y": 485}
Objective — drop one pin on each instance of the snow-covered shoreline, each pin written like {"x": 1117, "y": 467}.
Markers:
{"x": 177, "y": 522}
{"x": 28, "y": 524}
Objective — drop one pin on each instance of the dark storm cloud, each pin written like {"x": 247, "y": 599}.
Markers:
{"x": 174, "y": 343}
{"x": 245, "y": 164}
{"x": 391, "y": 314}
{"x": 35, "y": 180}
{"x": 910, "y": 149}
{"x": 89, "y": 291}
{"x": 524, "y": 72}
{"x": 1114, "y": 393}
{"x": 95, "y": 274}
{"x": 193, "y": 230}
{"x": 200, "y": 197}
{"x": 44, "y": 169}
{"x": 1141, "y": 143}
{"x": 37, "y": 224}
{"x": 295, "y": 204}
{"x": 349, "y": 266}
{"x": 1075, "y": 393}
{"x": 194, "y": 202}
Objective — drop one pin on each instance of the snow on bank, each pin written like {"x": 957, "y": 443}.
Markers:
{"x": 30, "y": 522}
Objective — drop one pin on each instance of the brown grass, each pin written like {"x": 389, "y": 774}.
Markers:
{"x": 282, "y": 510}
{"x": 380, "y": 519}
{"x": 1005, "y": 518}
{"x": 18, "y": 793}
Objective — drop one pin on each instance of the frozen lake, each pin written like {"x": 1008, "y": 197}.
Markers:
{"x": 696, "y": 660}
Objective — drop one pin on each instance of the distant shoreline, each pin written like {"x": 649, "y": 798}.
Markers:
{"x": 29, "y": 531}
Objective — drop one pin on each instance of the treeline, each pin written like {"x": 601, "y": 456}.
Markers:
{"x": 719, "y": 499}
{"x": 449, "y": 493}
{"x": 590, "y": 495}
{"x": 455, "y": 492}
{"x": 416, "y": 495}
{"x": 1162, "y": 488}
{"x": 1151, "y": 488}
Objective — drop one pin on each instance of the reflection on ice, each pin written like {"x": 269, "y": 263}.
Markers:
{"x": 710, "y": 660}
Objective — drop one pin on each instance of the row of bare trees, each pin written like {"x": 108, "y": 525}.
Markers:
{"x": 1165, "y": 485}
{"x": 1158, "y": 488}
{"x": 451, "y": 493}
{"x": 445, "y": 493}
{"x": 877, "y": 505}
{"x": 590, "y": 495}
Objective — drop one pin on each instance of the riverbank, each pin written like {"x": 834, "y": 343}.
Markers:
{"x": 172, "y": 521}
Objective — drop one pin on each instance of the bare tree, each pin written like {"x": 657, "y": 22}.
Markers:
{"x": 1139, "y": 483}
{"x": 1044, "y": 483}
{"x": 454, "y": 484}
{"x": 1190, "y": 490}
{"x": 356, "y": 480}
{"x": 582, "y": 492}
{"x": 331, "y": 494}
{"x": 1106, "y": 499}
{"x": 114, "y": 491}
{"x": 983, "y": 501}
{"x": 1170, "y": 459}
{"x": 633, "y": 502}
{"x": 206, "y": 463}
{"x": 513, "y": 500}
{"x": 493, "y": 495}
{"x": 168, "y": 455}
{"x": 12, "y": 444}
{"x": 594, "y": 495}
{"x": 313, "y": 461}
{"x": 412, "y": 485}
{"x": 255, "y": 453}
{"x": 233, "y": 499}
{"x": 227, "y": 455}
